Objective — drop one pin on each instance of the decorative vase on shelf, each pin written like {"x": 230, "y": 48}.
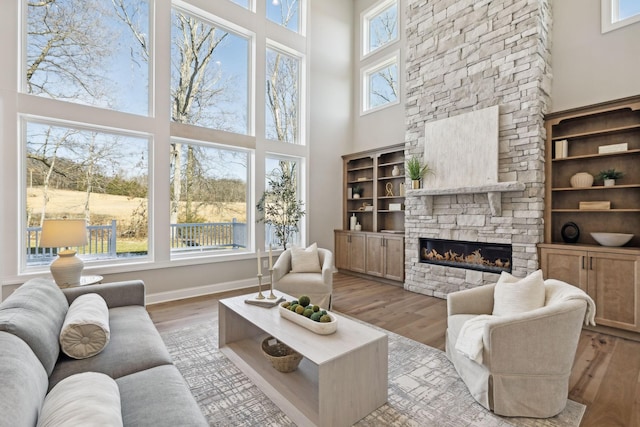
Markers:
{"x": 609, "y": 182}
{"x": 395, "y": 171}
{"x": 581, "y": 180}
{"x": 352, "y": 222}
{"x": 356, "y": 195}
{"x": 415, "y": 184}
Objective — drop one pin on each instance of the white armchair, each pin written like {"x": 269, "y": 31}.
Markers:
{"x": 317, "y": 286}
{"x": 526, "y": 357}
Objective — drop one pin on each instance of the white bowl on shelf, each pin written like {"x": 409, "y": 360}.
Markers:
{"x": 612, "y": 239}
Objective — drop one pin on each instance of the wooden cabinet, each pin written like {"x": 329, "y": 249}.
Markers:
{"x": 611, "y": 276}
{"x": 385, "y": 256}
{"x": 377, "y": 248}
{"x": 593, "y": 139}
{"x": 350, "y": 251}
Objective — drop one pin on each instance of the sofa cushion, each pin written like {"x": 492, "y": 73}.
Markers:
{"x": 85, "y": 331}
{"x": 158, "y": 397}
{"x": 86, "y": 399}
{"x": 513, "y": 295}
{"x": 35, "y": 312}
{"x": 135, "y": 345}
{"x": 305, "y": 260}
{"x": 23, "y": 381}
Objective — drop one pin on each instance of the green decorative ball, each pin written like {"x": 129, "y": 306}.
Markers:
{"x": 316, "y": 308}
{"x": 316, "y": 316}
{"x": 304, "y": 300}
{"x": 325, "y": 318}
{"x": 307, "y": 312}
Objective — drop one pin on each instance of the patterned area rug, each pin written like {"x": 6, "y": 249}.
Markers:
{"x": 424, "y": 388}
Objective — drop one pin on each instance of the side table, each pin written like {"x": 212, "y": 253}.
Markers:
{"x": 92, "y": 279}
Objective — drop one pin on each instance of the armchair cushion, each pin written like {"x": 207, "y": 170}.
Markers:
{"x": 513, "y": 295}
{"x": 305, "y": 260}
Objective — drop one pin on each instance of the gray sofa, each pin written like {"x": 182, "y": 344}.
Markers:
{"x": 152, "y": 390}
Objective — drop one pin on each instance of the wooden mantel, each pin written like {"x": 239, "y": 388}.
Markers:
{"x": 494, "y": 194}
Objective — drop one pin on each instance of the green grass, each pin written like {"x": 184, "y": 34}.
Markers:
{"x": 131, "y": 245}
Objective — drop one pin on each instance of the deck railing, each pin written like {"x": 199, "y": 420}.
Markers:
{"x": 184, "y": 238}
{"x": 208, "y": 235}
{"x": 101, "y": 243}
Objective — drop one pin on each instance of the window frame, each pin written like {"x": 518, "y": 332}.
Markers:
{"x": 365, "y": 27}
{"x": 300, "y": 137}
{"x": 610, "y": 11}
{"x": 249, "y": 201}
{"x": 366, "y": 71}
{"x": 159, "y": 128}
{"x": 24, "y": 119}
{"x": 300, "y": 191}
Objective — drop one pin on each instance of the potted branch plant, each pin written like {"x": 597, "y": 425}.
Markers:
{"x": 609, "y": 176}
{"x": 416, "y": 171}
{"x": 279, "y": 204}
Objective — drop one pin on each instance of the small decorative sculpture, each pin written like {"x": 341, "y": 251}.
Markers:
{"x": 389, "y": 188}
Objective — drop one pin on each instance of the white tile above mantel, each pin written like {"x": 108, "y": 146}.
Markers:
{"x": 494, "y": 194}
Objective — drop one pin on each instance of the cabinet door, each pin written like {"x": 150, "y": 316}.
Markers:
{"x": 357, "y": 252}
{"x": 394, "y": 258}
{"x": 342, "y": 250}
{"x": 375, "y": 255}
{"x": 613, "y": 284}
{"x": 567, "y": 265}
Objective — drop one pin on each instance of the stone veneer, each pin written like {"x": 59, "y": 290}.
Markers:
{"x": 464, "y": 56}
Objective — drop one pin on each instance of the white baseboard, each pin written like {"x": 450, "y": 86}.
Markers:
{"x": 198, "y": 291}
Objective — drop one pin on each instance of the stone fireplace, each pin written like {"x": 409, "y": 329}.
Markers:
{"x": 466, "y": 57}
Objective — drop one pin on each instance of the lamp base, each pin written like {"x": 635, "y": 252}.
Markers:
{"x": 67, "y": 269}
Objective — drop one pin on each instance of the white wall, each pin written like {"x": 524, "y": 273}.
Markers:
{"x": 331, "y": 117}
{"x": 588, "y": 66}
{"x": 383, "y": 127}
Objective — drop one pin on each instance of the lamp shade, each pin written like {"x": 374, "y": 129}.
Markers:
{"x": 57, "y": 233}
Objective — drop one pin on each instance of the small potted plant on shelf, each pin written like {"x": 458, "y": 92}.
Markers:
{"x": 416, "y": 171}
{"x": 357, "y": 191}
{"x": 609, "y": 176}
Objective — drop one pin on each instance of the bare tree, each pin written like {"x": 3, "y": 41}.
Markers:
{"x": 67, "y": 45}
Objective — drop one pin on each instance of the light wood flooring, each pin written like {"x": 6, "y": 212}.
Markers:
{"x": 606, "y": 372}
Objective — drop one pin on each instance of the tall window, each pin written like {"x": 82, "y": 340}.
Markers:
{"x": 380, "y": 26}
{"x": 381, "y": 85}
{"x": 209, "y": 197}
{"x": 87, "y": 77}
{"x": 282, "y": 97}
{"x": 380, "y": 66}
{"x": 619, "y": 13}
{"x": 98, "y": 176}
{"x": 282, "y": 207}
{"x": 85, "y": 52}
{"x": 209, "y": 75}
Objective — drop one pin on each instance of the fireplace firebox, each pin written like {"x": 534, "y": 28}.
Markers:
{"x": 481, "y": 256}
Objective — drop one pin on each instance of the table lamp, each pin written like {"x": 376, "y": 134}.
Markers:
{"x": 65, "y": 233}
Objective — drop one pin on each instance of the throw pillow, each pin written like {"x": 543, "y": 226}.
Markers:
{"x": 514, "y": 295}
{"x": 35, "y": 313}
{"x": 85, "y": 399}
{"x": 85, "y": 331}
{"x": 305, "y": 260}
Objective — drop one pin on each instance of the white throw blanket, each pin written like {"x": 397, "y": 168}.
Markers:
{"x": 470, "y": 343}
{"x": 557, "y": 291}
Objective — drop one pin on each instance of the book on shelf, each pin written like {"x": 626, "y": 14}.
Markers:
{"x": 265, "y": 302}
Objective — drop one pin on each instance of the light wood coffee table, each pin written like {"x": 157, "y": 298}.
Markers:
{"x": 342, "y": 378}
